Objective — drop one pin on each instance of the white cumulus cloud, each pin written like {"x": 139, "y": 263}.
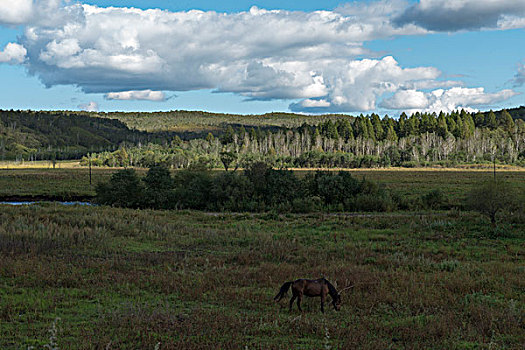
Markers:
{"x": 445, "y": 100}
{"x": 357, "y": 85}
{"x": 13, "y": 12}
{"x": 13, "y": 53}
{"x": 316, "y": 58}
{"x": 146, "y": 95}
{"x": 258, "y": 54}
{"x": 407, "y": 99}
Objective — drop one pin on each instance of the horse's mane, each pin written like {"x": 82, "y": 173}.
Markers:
{"x": 331, "y": 288}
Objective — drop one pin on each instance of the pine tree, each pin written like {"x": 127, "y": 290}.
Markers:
{"x": 344, "y": 129}
{"x": 370, "y": 128}
{"x": 402, "y": 132}
{"x": 491, "y": 121}
{"x": 379, "y": 132}
{"x": 390, "y": 133}
{"x": 479, "y": 120}
{"x": 330, "y": 131}
{"x": 468, "y": 125}
{"x": 507, "y": 122}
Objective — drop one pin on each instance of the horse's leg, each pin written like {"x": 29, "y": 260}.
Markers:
{"x": 299, "y": 298}
{"x": 322, "y": 302}
{"x": 291, "y": 301}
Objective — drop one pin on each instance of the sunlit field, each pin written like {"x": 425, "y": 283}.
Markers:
{"x": 69, "y": 181}
{"x": 40, "y": 164}
{"x": 128, "y": 279}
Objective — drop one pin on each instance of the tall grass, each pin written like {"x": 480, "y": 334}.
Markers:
{"x": 192, "y": 280}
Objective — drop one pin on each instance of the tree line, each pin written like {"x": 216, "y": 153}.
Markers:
{"x": 261, "y": 188}
{"x": 422, "y": 139}
{"x": 279, "y": 139}
{"x": 258, "y": 188}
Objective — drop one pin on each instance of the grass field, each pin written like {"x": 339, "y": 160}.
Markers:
{"x": 126, "y": 279}
{"x": 108, "y": 278}
{"x": 70, "y": 181}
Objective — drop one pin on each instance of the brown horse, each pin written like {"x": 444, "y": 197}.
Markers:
{"x": 311, "y": 288}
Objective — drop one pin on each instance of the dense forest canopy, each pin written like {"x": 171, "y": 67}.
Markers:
{"x": 34, "y": 135}
{"x": 421, "y": 139}
{"x": 183, "y": 138}
{"x": 204, "y": 122}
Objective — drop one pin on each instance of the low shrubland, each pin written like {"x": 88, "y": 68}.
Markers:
{"x": 258, "y": 188}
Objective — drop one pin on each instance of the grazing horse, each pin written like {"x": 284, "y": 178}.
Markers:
{"x": 311, "y": 288}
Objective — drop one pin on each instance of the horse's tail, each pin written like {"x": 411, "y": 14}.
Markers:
{"x": 283, "y": 291}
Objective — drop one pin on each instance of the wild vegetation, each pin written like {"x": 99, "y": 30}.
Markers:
{"x": 39, "y": 135}
{"x": 422, "y": 139}
{"x": 436, "y": 260}
{"x": 180, "y": 138}
{"x": 204, "y": 122}
{"x": 120, "y": 279}
{"x": 65, "y": 182}
{"x": 259, "y": 188}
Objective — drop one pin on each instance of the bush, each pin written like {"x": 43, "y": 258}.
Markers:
{"x": 124, "y": 189}
{"x": 159, "y": 187}
{"x": 260, "y": 189}
{"x": 282, "y": 186}
{"x": 433, "y": 199}
{"x": 333, "y": 188}
{"x": 192, "y": 189}
{"x": 492, "y": 197}
{"x": 372, "y": 202}
{"x": 307, "y": 204}
{"x": 231, "y": 192}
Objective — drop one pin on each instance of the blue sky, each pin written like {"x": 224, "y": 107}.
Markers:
{"x": 384, "y": 56}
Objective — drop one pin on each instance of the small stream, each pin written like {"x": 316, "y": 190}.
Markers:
{"x": 40, "y": 202}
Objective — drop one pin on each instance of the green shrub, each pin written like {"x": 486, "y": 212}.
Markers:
{"x": 232, "y": 192}
{"x": 159, "y": 186}
{"x": 124, "y": 189}
{"x": 372, "y": 202}
{"x": 493, "y": 197}
{"x": 192, "y": 189}
{"x": 260, "y": 188}
{"x": 434, "y": 199}
{"x": 307, "y": 204}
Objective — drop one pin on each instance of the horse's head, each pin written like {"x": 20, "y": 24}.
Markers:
{"x": 337, "y": 299}
{"x": 337, "y": 302}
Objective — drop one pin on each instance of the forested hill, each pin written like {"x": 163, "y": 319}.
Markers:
{"x": 421, "y": 139}
{"x": 71, "y": 135}
{"x": 62, "y": 134}
{"x": 191, "y": 124}
{"x": 199, "y": 122}
{"x": 516, "y": 113}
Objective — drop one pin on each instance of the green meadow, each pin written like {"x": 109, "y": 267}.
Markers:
{"x": 108, "y": 278}
{"x": 77, "y": 277}
{"x": 68, "y": 181}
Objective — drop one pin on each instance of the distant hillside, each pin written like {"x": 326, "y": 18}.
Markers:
{"x": 196, "y": 122}
{"x": 516, "y": 113}
{"x": 191, "y": 124}
{"x": 70, "y": 135}
{"x": 62, "y": 135}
